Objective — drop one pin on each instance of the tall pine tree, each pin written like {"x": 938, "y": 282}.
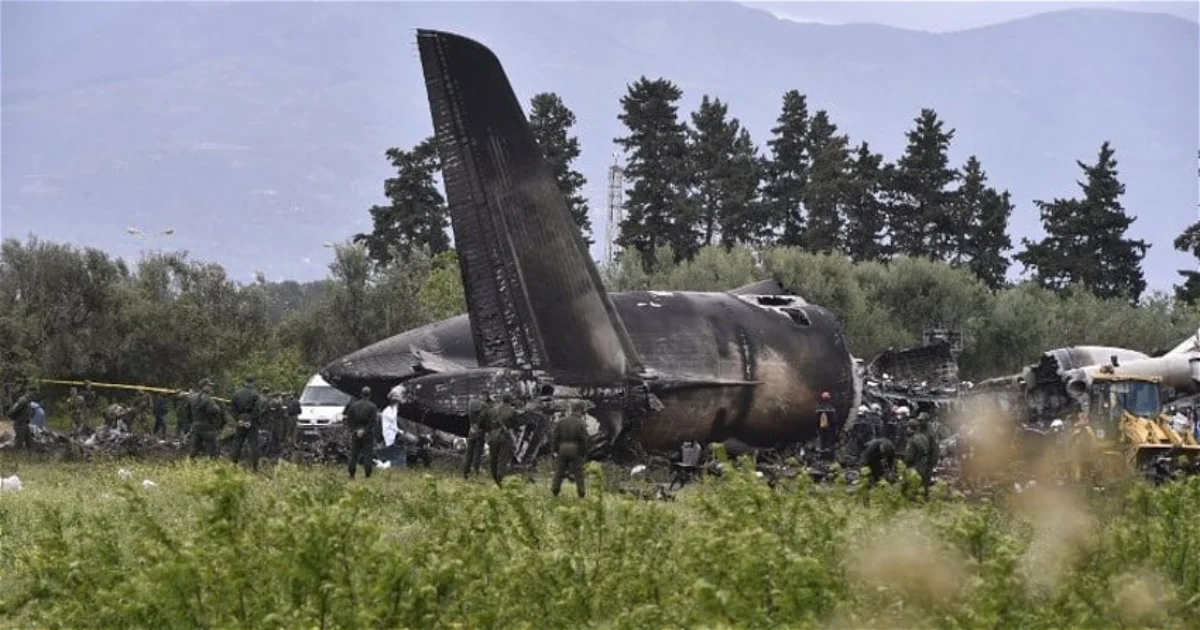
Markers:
{"x": 1189, "y": 242}
{"x": 825, "y": 195}
{"x": 658, "y": 208}
{"x": 866, "y": 215}
{"x": 1085, "y": 238}
{"x": 416, "y": 215}
{"x": 922, "y": 215}
{"x": 787, "y": 170}
{"x": 725, "y": 166}
{"x": 551, "y": 122}
{"x": 982, "y": 213}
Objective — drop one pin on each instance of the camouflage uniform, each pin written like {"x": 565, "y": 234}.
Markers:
{"x": 570, "y": 443}
{"x": 478, "y": 410}
{"x": 361, "y": 416}
{"x": 139, "y": 420}
{"x": 21, "y": 413}
{"x": 248, "y": 409}
{"x": 77, "y": 407}
{"x": 880, "y": 457}
{"x": 293, "y": 417}
{"x": 161, "y": 409}
{"x": 921, "y": 453}
{"x": 499, "y": 439}
{"x": 206, "y": 418}
{"x": 90, "y": 403}
{"x": 183, "y": 413}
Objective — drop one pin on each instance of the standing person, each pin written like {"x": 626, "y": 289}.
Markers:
{"x": 183, "y": 413}
{"x": 570, "y": 443}
{"x": 91, "y": 403}
{"x": 921, "y": 453}
{"x": 827, "y": 426}
{"x": 501, "y": 421}
{"x": 139, "y": 420}
{"x": 293, "y": 417}
{"x": 361, "y": 417}
{"x": 207, "y": 418}
{"x": 477, "y": 412}
{"x": 77, "y": 407}
{"x": 248, "y": 408}
{"x": 161, "y": 409}
{"x": 277, "y": 421}
{"x": 21, "y": 414}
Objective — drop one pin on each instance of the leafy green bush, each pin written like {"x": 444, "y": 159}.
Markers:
{"x": 213, "y": 546}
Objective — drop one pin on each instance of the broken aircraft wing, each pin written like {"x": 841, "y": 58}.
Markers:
{"x": 534, "y": 296}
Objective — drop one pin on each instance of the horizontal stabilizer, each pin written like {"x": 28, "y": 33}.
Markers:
{"x": 770, "y": 286}
{"x": 533, "y": 294}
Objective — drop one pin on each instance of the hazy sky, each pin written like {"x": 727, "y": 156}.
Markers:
{"x": 951, "y": 15}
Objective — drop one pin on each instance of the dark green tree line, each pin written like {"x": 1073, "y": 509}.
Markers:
{"x": 1085, "y": 241}
{"x": 817, "y": 189}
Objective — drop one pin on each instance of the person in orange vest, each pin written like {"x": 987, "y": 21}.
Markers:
{"x": 827, "y": 426}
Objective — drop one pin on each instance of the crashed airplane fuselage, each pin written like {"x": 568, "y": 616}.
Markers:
{"x": 661, "y": 367}
{"x": 722, "y": 365}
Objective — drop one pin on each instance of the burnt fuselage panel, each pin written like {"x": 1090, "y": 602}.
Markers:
{"x": 745, "y": 367}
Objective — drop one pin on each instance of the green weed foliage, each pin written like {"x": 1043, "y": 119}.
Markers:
{"x": 216, "y": 547}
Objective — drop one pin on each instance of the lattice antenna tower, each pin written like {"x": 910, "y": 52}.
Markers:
{"x": 616, "y": 207}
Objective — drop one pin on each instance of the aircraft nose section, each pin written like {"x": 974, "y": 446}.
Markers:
{"x": 379, "y": 366}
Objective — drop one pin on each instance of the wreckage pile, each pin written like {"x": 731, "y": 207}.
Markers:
{"x": 106, "y": 443}
{"x": 924, "y": 378}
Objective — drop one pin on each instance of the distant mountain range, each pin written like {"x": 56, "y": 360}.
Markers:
{"x": 257, "y": 130}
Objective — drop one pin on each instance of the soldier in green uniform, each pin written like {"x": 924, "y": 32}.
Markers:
{"x": 183, "y": 413}
{"x": 91, "y": 403}
{"x": 570, "y": 442}
{"x": 207, "y": 419}
{"x": 501, "y": 421}
{"x": 477, "y": 412}
{"x": 361, "y": 417}
{"x": 21, "y": 414}
{"x": 77, "y": 407}
{"x": 248, "y": 409}
{"x": 277, "y": 412}
{"x": 293, "y": 417}
{"x": 880, "y": 457}
{"x": 921, "y": 452}
{"x": 139, "y": 419}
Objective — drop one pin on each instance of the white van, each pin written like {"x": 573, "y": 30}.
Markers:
{"x": 321, "y": 406}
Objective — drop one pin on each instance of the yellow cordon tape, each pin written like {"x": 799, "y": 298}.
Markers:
{"x": 144, "y": 388}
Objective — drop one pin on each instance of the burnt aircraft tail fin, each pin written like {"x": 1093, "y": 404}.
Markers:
{"x": 533, "y": 294}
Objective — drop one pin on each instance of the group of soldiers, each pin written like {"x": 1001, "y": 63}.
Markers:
{"x": 877, "y": 439}
{"x": 202, "y": 419}
{"x": 875, "y": 442}
{"x": 495, "y": 424}
{"x": 199, "y": 418}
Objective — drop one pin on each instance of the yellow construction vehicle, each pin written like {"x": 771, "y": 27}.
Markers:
{"x": 1122, "y": 428}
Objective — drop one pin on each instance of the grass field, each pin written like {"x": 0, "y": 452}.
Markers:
{"x": 213, "y": 546}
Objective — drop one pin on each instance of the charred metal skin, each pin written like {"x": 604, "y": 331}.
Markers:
{"x": 726, "y": 367}
{"x": 661, "y": 367}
